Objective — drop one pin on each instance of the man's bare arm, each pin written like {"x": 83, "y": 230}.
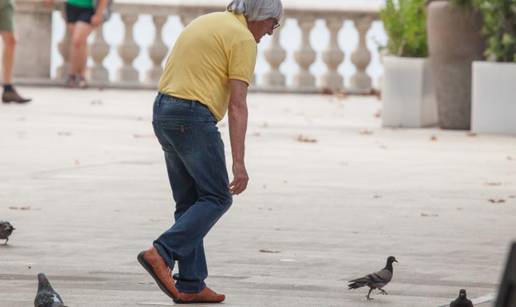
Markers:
{"x": 237, "y": 114}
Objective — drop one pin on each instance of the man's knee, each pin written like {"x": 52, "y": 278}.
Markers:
{"x": 223, "y": 201}
{"x": 226, "y": 201}
{"x": 78, "y": 42}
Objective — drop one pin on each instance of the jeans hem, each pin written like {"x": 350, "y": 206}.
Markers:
{"x": 189, "y": 286}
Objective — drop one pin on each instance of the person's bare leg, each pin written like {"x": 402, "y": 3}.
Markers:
{"x": 70, "y": 79}
{"x": 79, "y": 48}
{"x": 9, "y": 94}
{"x": 8, "y": 56}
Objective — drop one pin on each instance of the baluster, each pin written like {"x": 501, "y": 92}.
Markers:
{"x": 361, "y": 57}
{"x": 64, "y": 50}
{"x": 157, "y": 51}
{"x": 332, "y": 57}
{"x": 128, "y": 51}
{"x": 99, "y": 50}
{"x": 305, "y": 56}
{"x": 186, "y": 18}
{"x": 275, "y": 55}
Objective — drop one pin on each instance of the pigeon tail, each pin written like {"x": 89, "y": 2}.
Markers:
{"x": 356, "y": 285}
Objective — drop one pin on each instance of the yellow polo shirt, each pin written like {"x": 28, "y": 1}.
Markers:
{"x": 210, "y": 51}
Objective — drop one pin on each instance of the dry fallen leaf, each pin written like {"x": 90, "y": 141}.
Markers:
{"x": 471, "y": 134}
{"x": 366, "y": 132}
{"x": 429, "y": 215}
{"x": 512, "y": 196}
{"x": 496, "y": 201}
{"x": 510, "y": 158}
{"x": 268, "y": 251}
{"x": 376, "y": 196}
{"x": 141, "y": 136}
{"x": 25, "y": 208}
{"x": 96, "y": 102}
{"x": 433, "y": 138}
{"x": 303, "y": 139}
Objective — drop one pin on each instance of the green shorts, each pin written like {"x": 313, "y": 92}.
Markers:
{"x": 6, "y": 16}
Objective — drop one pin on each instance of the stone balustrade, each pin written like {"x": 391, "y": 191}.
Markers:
{"x": 274, "y": 54}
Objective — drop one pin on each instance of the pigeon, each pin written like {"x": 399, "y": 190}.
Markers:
{"x": 376, "y": 280}
{"x": 6, "y": 229}
{"x": 46, "y": 295}
{"x": 462, "y": 300}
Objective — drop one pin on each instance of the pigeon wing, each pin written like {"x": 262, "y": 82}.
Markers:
{"x": 380, "y": 279}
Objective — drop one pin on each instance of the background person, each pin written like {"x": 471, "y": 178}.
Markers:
{"x": 7, "y": 31}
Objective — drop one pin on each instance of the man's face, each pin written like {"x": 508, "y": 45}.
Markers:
{"x": 261, "y": 27}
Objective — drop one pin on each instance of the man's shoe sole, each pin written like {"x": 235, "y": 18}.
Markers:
{"x": 20, "y": 102}
{"x": 158, "y": 281}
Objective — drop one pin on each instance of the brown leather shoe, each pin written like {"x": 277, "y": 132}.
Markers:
{"x": 13, "y": 96}
{"x": 205, "y": 296}
{"x": 158, "y": 269}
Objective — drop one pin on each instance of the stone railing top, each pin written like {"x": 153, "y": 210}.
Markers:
{"x": 344, "y": 9}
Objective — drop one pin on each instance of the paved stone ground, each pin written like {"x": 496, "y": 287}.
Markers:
{"x": 83, "y": 181}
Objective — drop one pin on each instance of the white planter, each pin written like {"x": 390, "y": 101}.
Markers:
{"x": 494, "y": 98}
{"x": 408, "y": 94}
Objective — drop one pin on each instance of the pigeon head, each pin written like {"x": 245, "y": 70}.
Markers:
{"x": 391, "y": 259}
{"x": 43, "y": 282}
{"x": 462, "y": 293}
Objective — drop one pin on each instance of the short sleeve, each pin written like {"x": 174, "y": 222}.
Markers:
{"x": 242, "y": 59}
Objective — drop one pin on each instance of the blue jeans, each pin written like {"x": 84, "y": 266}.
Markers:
{"x": 196, "y": 166}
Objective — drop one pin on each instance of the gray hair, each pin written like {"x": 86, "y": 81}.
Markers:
{"x": 257, "y": 9}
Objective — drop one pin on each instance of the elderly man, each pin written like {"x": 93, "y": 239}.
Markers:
{"x": 207, "y": 74}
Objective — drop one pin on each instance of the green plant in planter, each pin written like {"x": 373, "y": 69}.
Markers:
{"x": 405, "y": 24}
{"x": 499, "y": 28}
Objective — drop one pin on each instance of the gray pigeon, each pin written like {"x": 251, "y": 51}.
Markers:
{"x": 462, "y": 300}
{"x": 6, "y": 229}
{"x": 46, "y": 295}
{"x": 376, "y": 280}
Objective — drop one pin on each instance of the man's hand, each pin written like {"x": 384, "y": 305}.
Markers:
{"x": 240, "y": 179}
{"x": 96, "y": 20}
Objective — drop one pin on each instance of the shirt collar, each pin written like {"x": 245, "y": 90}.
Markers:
{"x": 241, "y": 18}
